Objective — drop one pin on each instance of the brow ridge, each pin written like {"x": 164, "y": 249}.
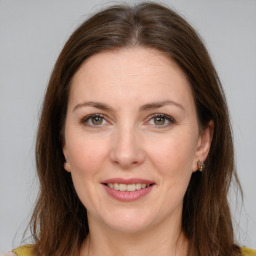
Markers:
{"x": 94, "y": 104}
{"x": 160, "y": 104}
{"x": 146, "y": 107}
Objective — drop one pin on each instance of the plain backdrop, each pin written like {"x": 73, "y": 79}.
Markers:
{"x": 32, "y": 33}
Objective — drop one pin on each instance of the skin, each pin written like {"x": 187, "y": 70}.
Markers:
{"x": 126, "y": 141}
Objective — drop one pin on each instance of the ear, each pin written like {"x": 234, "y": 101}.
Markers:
{"x": 203, "y": 144}
{"x": 65, "y": 153}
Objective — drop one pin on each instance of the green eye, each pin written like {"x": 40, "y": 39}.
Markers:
{"x": 159, "y": 120}
{"x": 97, "y": 120}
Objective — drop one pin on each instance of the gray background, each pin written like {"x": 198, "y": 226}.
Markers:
{"x": 32, "y": 34}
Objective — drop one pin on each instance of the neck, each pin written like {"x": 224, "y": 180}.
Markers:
{"x": 161, "y": 240}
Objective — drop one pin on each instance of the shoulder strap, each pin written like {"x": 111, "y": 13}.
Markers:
{"x": 248, "y": 252}
{"x": 25, "y": 250}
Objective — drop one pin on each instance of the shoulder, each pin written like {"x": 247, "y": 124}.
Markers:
{"x": 248, "y": 252}
{"x": 25, "y": 250}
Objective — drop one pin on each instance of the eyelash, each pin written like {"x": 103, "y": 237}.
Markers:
{"x": 169, "y": 119}
{"x": 88, "y": 120}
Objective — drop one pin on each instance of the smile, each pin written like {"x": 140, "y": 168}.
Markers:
{"x": 128, "y": 190}
{"x": 127, "y": 187}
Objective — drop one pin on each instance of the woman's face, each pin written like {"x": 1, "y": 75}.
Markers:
{"x": 132, "y": 139}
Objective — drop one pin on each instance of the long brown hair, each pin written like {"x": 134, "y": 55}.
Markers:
{"x": 59, "y": 222}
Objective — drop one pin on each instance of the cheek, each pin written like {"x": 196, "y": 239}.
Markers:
{"x": 175, "y": 154}
{"x": 173, "y": 159}
{"x": 86, "y": 159}
{"x": 86, "y": 155}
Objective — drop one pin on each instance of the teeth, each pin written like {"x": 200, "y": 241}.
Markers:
{"x": 131, "y": 187}
{"x": 116, "y": 186}
{"x": 123, "y": 187}
{"x": 127, "y": 187}
{"x": 138, "y": 186}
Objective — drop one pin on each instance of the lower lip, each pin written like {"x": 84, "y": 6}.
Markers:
{"x": 128, "y": 196}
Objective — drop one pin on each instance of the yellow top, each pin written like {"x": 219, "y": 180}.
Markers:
{"x": 248, "y": 252}
{"x": 26, "y": 250}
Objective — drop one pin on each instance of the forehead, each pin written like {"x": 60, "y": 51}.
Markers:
{"x": 133, "y": 73}
{"x": 127, "y": 61}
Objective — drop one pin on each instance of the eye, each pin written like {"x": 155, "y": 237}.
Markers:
{"x": 94, "y": 120}
{"x": 97, "y": 120}
{"x": 161, "y": 120}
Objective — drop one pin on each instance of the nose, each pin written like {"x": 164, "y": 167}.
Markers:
{"x": 127, "y": 150}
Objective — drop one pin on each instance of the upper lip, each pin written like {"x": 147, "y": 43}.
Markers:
{"x": 128, "y": 181}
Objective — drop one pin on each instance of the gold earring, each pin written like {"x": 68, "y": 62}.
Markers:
{"x": 200, "y": 166}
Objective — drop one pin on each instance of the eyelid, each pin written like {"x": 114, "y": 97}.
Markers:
{"x": 169, "y": 118}
{"x": 85, "y": 120}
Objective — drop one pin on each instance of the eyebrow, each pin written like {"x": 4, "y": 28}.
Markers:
{"x": 98, "y": 105}
{"x": 146, "y": 107}
{"x": 160, "y": 104}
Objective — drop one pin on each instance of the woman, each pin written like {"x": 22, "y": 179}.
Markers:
{"x": 134, "y": 149}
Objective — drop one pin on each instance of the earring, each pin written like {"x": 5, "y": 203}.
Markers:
{"x": 200, "y": 166}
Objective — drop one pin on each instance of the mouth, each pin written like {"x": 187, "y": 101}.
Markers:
{"x": 128, "y": 190}
{"x": 127, "y": 187}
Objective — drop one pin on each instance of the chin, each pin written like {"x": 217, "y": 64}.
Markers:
{"x": 128, "y": 221}
{"x": 130, "y": 227}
